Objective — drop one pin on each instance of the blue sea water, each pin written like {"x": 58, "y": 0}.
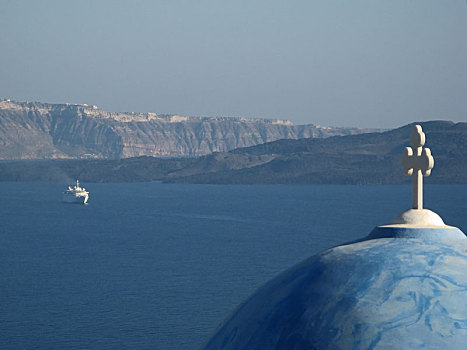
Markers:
{"x": 158, "y": 266}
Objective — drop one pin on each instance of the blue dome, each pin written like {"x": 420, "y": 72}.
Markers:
{"x": 400, "y": 287}
{"x": 404, "y": 286}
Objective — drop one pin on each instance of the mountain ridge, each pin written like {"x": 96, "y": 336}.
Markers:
{"x": 371, "y": 158}
{"x": 35, "y": 130}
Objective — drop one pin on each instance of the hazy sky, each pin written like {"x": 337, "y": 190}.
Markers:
{"x": 368, "y": 63}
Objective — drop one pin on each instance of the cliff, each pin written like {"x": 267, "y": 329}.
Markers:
{"x": 60, "y": 131}
{"x": 370, "y": 158}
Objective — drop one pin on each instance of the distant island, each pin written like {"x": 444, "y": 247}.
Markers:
{"x": 365, "y": 158}
{"x": 35, "y": 130}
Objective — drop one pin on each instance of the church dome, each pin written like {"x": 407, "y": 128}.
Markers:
{"x": 403, "y": 286}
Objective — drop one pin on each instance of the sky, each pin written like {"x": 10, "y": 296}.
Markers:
{"x": 354, "y": 63}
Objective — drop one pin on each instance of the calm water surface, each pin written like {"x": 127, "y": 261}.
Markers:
{"x": 156, "y": 266}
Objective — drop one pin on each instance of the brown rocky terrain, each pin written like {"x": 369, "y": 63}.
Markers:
{"x": 371, "y": 158}
{"x": 33, "y": 130}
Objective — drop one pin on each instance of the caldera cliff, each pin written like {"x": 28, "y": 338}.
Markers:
{"x": 33, "y": 130}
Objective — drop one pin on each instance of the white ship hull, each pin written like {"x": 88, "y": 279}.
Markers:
{"x": 75, "y": 198}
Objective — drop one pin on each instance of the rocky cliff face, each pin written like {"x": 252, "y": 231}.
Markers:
{"x": 371, "y": 158}
{"x": 45, "y": 131}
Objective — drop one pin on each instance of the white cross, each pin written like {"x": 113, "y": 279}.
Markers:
{"x": 418, "y": 161}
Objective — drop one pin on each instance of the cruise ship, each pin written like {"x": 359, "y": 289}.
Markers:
{"x": 76, "y": 194}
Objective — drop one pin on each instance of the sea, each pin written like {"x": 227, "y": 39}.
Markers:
{"x": 159, "y": 266}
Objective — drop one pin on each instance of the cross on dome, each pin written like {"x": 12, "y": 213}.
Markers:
{"x": 417, "y": 161}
